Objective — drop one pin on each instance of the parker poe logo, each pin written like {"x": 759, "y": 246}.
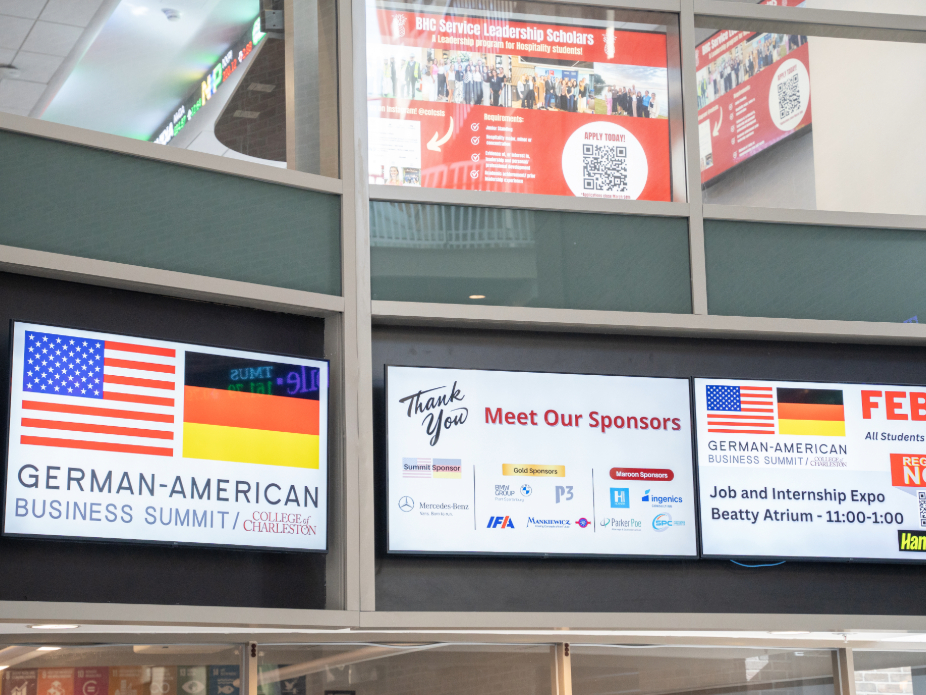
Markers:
{"x": 434, "y": 406}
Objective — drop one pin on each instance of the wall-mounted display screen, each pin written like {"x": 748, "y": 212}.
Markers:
{"x": 811, "y": 470}
{"x": 753, "y": 90}
{"x": 536, "y": 463}
{"x": 479, "y": 100}
{"x": 123, "y": 438}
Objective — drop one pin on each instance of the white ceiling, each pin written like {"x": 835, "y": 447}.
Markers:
{"x": 36, "y": 36}
{"x": 141, "y": 65}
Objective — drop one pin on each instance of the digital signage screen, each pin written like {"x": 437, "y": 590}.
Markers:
{"x": 120, "y": 438}
{"x": 811, "y": 470}
{"x": 494, "y": 102}
{"x": 753, "y": 91}
{"x": 537, "y": 463}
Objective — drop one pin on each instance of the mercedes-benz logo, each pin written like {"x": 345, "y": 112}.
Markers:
{"x": 406, "y": 504}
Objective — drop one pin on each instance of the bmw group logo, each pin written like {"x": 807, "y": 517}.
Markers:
{"x": 526, "y": 490}
{"x": 406, "y": 504}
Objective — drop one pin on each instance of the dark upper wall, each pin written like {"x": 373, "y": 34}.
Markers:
{"x": 490, "y": 584}
{"x": 47, "y": 570}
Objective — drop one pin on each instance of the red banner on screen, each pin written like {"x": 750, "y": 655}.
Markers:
{"x": 753, "y": 91}
{"x": 529, "y": 151}
{"x": 756, "y": 114}
{"x": 520, "y": 107}
{"x": 534, "y": 39}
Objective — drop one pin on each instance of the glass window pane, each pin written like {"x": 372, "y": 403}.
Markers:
{"x": 380, "y": 669}
{"x": 914, "y": 7}
{"x": 213, "y": 77}
{"x": 469, "y": 255}
{"x": 604, "y": 670}
{"x": 112, "y": 207}
{"x": 779, "y": 122}
{"x": 141, "y": 669}
{"x": 894, "y": 673}
{"x": 806, "y": 272}
{"x": 524, "y": 97}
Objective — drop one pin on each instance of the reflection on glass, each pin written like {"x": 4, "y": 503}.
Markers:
{"x": 122, "y": 670}
{"x": 912, "y": 7}
{"x": 210, "y": 77}
{"x": 465, "y": 255}
{"x": 890, "y": 673}
{"x": 380, "y": 669}
{"x": 602, "y": 670}
{"x": 781, "y": 123}
{"x": 522, "y": 98}
{"x": 735, "y": 70}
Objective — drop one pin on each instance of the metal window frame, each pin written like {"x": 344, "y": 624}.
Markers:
{"x": 351, "y": 316}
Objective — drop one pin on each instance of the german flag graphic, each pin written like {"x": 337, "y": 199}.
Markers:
{"x": 250, "y": 411}
{"x": 811, "y": 411}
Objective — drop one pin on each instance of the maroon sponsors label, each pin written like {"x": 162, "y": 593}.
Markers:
{"x": 642, "y": 474}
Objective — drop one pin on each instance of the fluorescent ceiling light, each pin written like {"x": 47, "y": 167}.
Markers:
{"x": 49, "y": 649}
{"x": 54, "y": 627}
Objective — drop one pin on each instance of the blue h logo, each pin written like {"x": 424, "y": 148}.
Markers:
{"x": 620, "y": 497}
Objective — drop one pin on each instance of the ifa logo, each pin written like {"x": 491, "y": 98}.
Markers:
{"x": 500, "y": 522}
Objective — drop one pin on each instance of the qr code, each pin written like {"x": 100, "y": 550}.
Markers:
{"x": 604, "y": 168}
{"x": 789, "y": 98}
{"x": 922, "y": 497}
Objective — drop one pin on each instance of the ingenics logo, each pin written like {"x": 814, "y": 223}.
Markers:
{"x": 912, "y": 541}
{"x": 432, "y": 407}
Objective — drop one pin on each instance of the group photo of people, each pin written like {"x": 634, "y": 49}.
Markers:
{"x": 472, "y": 78}
{"x": 742, "y": 62}
{"x": 555, "y": 89}
{"x": 426, "y": 74}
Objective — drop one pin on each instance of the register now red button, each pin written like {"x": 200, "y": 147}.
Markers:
{"x": 641, "y": 474}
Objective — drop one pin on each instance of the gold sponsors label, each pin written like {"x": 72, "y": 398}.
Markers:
{"x": 534, "y": 471}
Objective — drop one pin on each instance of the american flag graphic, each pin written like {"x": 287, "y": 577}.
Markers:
{"x": 102, "y": 395}
{"x": 416, "y": 468}
{"x": 740, "y": 409}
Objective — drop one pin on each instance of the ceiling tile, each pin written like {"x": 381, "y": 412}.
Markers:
{"x": 19, "y": 96}
{"x": 6, "y": 55}
{"x": 76, "y": 12}
{"x": 36, "y": 67}
{"x": 53, "y": 39}
{"x": 30, "y": 9}
{"x": 13, "y": 31}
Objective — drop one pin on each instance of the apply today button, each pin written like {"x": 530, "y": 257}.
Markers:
{"x": 534, "y": 471}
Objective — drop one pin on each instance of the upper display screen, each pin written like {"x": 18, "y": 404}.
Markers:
{"x": 518, "y": 462}
{"x": 517, "y": 103}
{"x": 809, "y": 470}
{"x": 121, "y": 438}
{"x": 753, "y": 91}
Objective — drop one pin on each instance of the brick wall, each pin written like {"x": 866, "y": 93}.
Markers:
{"x": 884, "y": 681}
